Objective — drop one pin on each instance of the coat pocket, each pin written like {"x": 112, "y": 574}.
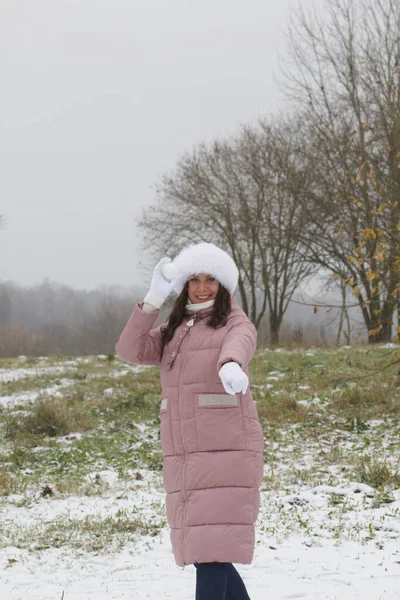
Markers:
{"x": 219, "y": 422}
{"x": 167, "y": 444}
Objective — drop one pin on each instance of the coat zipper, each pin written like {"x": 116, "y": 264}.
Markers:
{"x": 190, "y": 324}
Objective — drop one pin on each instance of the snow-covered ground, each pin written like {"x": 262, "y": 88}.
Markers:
{"x": 147, "y": 571}
{"x": 320, "y": 534}
{"x": 305, "y": 557}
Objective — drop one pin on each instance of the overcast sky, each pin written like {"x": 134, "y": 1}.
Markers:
{"x": 98, "y": 98}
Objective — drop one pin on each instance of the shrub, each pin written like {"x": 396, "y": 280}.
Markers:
{"x": 50, "y": 417}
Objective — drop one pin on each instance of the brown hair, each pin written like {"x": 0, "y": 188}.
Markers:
{"x": 218, "y": 317}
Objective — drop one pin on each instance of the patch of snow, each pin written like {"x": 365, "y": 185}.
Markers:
{"x": 308, "y": 403}
{"x": 266, "y": 386}
{"x": 319, "y": 570}
{"x": 70, "y": 438}
{"x": 376, "y": 422}
{"x": 128, "y": 367}
{"x": 352, "y": 488}
{"x": 305, "y": 403}
{"x": 16, "y": 374}
{"x": 107, "y": 476}
{"x": 31, "y": 396}
{"x": 17, "y": 499}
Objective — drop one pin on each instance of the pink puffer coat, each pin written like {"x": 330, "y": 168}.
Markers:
{"x": 212, "y": 442}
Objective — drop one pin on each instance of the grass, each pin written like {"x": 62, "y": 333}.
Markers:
{"x": 65, "y": 464}
{"x": 337, "y": 380}
{"x": 102, "y": 428}
{"x": 324, "y": 423}
{"x": 50, "y": 417}
{"x": 9, "y": 483}
{"x": 91, "y": 534}
{"x": 377, "y": 473}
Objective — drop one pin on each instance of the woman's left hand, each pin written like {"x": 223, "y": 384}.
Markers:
{"x": 233, "y": 378}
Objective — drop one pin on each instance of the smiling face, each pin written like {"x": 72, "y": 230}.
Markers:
{"x": 202, "y": 287}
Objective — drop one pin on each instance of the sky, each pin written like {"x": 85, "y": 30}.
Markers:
{"x": 98, "y": 99}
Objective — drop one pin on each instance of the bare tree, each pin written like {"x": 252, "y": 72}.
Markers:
{"x": 209, "y": 198}
{"x": 241, "y": 193}
{"x": 283, "y": 257}
{"x": 343, "y": 66}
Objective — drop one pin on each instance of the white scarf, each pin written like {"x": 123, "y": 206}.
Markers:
{"x": 200, "y": 305}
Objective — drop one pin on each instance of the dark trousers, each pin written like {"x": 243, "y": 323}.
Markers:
{"x": 219, "y": 581}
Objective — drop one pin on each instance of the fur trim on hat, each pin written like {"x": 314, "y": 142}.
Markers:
{"x": 206, "y": 258}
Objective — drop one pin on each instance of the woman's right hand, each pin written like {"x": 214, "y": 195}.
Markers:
{"x": 234, "y": 379}
{"x": 160, "y": 287}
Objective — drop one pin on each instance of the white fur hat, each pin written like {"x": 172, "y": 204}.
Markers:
{"x": 206, "y": 258}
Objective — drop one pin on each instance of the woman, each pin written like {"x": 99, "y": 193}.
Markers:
{"x": 211, "y": 438}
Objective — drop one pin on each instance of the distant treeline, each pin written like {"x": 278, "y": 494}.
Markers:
{"x": 54, "y": 319}
{"x": 51, "y": 319}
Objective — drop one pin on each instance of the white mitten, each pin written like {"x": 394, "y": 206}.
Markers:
{"x": 160, "y": 287}
{"x": 233, "y": 378}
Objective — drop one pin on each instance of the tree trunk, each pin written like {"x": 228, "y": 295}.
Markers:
{"x": 382, "y": 336}
{"x": 274, "y": 327}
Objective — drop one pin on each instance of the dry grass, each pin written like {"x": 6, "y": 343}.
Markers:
{"x": 50, "y": 417}
{"x": 369, "y": 401}
{"x": 9, "y": 484}
{"x": 278, "y": 412}
{"x": 377, "y": 474}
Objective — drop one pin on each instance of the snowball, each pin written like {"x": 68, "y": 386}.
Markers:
{"x": 170, "y": 271}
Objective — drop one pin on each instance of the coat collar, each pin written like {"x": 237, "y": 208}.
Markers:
{"x": 191, "y": 317}
{"x": 202, "y": 313}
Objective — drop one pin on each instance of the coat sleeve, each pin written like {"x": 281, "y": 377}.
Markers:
{"x": 239, "y": 344}
{"x": 138, "y": 343}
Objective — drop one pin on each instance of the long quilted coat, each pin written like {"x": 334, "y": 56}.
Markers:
{"x": 212, "y": 442}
